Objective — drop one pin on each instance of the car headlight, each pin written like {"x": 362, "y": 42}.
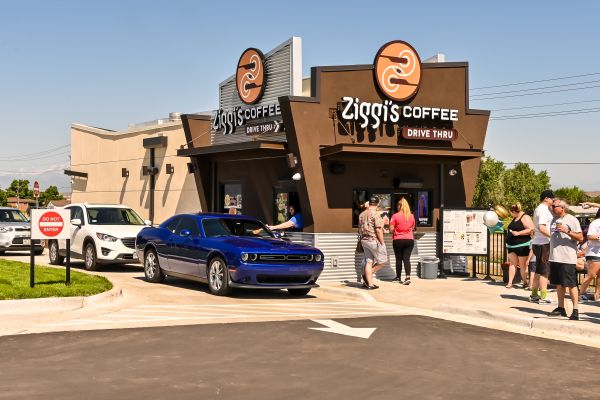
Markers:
{"x": 318, "y": 258}
{"x": 253, "y": 257}
{"x": 106, "y": 238}
{"x": 310, "y": 257}
{"x": 244, "y": 257}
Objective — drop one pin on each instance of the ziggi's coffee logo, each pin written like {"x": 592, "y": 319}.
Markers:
{"x": 397, "y": 70}
{"x": 250, "y": 76}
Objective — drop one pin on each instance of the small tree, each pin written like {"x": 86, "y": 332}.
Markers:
{"x": 488, "y": 189}
{"x": 3, "y": 198}
{"x": 51, "y": 193}
{"x": 20, "y": 188}
{"x": 522, "y": 184}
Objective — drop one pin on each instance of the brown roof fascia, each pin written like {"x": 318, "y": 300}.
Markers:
{"x": 315, "y": 78}
{"x": 347, "y": 148}
{"x": 235, "y": 147}
{"x": 186, "y": 127}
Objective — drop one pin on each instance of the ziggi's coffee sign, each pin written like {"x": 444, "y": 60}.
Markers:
{"x": 397, "y": 73}
{"x": 250, "y": 79}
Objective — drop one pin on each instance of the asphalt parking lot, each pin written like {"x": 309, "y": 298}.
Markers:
{"x": 405, "y": 357}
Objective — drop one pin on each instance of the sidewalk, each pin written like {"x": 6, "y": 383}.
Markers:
{"x": 490, "y": 302}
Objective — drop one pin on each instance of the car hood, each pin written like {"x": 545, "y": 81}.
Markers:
{"x": 120, "y": 231}
{"x": 15, "y": 224}
{"x": 258, "y": 244}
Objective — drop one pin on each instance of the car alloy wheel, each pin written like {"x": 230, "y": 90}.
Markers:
{"x": 91, "y": 263}
{"x": 150, "y": 265}
{"x": 54, "y": 255}
{"x": 218, "y": 278}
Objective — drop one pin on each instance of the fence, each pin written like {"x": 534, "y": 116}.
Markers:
{"x": 491, "y": 267}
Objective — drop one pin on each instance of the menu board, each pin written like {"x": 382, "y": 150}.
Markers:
{"x": 464, "y": 232}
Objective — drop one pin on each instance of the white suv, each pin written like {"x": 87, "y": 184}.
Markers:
{"x": 100, "y": 234}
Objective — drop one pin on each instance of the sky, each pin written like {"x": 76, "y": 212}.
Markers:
{"x": 114, "y": 63}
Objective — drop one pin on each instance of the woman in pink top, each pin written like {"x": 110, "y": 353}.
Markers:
{"x": 402, "y": 226}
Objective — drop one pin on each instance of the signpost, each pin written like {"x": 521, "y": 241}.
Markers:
{"x": 36, "y": 193}
{"x": 50, "y": 224}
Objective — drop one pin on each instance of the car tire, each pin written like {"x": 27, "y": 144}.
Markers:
{"x": 53, "y": 254}
{"x": 152, "y": 270}
{"x": 90, "y": 258}
{"x": 298, "y": 292}
{"x": 218, "y": 277}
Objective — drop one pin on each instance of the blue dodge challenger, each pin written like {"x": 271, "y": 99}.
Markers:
{"x": 227, "y": 251}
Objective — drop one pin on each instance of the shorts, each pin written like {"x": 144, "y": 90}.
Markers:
{"x": 541, "y": 251}
{"x": 563, "y": 274}
{"x": 520, "y": 251}
{"x": 374, "y": 251}
{"x": 592, "y": 258}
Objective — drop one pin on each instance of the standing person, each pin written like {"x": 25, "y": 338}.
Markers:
{"x": 518, "y": 243}
{"x": 370, "y": 230}
{"x": 295, "y": 223}
{"x": 565, "y": 233}
{"x": 592, "y": 257}
{"x": 542, "y": 217}
{"x": 402, "y": 226}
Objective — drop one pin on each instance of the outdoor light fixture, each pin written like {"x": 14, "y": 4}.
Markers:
{"x": 149, "y": 170}
{"x": 170, "y": 169}
{"x": 124, "y": 172}
{"x": 291, "y": 160}
{"x": 452, "y": 172}
{"x": 297, "y": 176}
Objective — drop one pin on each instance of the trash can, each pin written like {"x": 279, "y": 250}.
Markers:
{"x": 429, "y": 267}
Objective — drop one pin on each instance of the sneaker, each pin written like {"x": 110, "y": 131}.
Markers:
{"x": 574, "y": 316}
{"x": 583, "y": 298}
{"x": 544, "y": 301}
{"x": 534, "y": 299}
{"x": 406, "y": 282}
{"x": 396, "y": 279}
{"x": 559, "y": 311}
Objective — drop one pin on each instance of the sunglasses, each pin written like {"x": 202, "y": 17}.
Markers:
{"x": 558, "y": 206}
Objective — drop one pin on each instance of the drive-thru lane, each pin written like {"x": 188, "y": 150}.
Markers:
{"x": 406, "y": 357}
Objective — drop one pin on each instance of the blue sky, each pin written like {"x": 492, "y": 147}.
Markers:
{"x": 113, "y": 63}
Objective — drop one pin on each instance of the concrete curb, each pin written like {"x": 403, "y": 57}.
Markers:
{"x": 58, "y": 304}
{"x": 346, "y": 292}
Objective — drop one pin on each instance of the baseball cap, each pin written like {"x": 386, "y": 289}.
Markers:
{"x": 373, "y": 200}
{"x": 546, "y": 194}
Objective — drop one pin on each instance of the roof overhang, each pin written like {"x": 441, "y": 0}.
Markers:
{"x": 239, "y": 149}
{"x": 431, "y": 153}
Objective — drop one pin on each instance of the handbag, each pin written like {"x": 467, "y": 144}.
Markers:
{"x": 359, "y": 246}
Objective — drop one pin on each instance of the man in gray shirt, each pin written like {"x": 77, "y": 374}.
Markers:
{"x": 565, "y": 233}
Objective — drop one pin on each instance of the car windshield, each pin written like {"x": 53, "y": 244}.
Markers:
{"x": 217, "y": 227}
{"x": 113, "y": 216}
{"x": 12, "y": 216}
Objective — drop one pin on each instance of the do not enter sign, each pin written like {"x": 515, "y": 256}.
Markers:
{"x": 50, "y": 224}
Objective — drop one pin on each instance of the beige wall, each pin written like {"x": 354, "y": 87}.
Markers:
{"x": 102, "y": 154}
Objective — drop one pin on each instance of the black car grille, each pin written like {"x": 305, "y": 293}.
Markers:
{"x": 282, "y": 279}
{"x": 129, "y": 242}
{"x": 300, "y": 258}
{"x": 22, "y": 229}
{"x": 19, "y": 240}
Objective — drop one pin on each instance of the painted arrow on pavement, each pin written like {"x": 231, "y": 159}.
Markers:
{"x": 341, "y": 329}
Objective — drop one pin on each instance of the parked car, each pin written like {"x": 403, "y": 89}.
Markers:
{"x": 15, "y": 232}
{"x": 227, "y": 251}
{"x": 100, "y": 234}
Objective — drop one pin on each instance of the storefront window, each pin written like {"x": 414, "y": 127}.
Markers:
{"x": 419, "y": 201}
{"x": 232, "y": 198}
{"x": 283, "y": 199}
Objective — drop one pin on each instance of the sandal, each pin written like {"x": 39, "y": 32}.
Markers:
{"x": 372, "y": 287}
{"x": 509, "y": 286}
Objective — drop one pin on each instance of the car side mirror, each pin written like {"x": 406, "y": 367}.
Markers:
{"x": 76, "y": 221}
{"x": 185, "y": 233}
{"x": 147, "y": 222}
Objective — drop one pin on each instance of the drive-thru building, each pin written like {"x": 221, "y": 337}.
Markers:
{"x": 394, "y": 128}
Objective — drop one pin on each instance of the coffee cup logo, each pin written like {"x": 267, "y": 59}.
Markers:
{"x": 250, "y": 76}
{"x": 397, "y": 70}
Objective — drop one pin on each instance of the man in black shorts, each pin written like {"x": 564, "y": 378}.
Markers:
{"x": 565, "y": 233}
{"x": 542, "y": 217}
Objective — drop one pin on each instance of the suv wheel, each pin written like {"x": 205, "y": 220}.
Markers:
{"x": 55, "y": 257}
{"x": 91, "y": 260}
{"x": 152, "y": 270}
{"x": 218, "y": 277}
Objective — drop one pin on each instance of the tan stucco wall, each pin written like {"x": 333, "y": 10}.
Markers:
{"x": 102, "y": 154}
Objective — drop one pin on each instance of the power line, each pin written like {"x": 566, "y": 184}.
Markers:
{"x": 43, "y": 157}
{"x": 538, "y": 81}
{"x": 548, "y": 114}
{"x": 532, "y": 94}
{"x": 34, "y": 154}
{"x": 546, "y": 105}
{"x": 538, "y": 88}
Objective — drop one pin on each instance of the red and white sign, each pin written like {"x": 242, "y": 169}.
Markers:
{"x": 50, "y": 224}
{"x": 36, "y": 189}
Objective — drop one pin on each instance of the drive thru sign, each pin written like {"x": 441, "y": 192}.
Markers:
{"x": 50, "y": 224}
